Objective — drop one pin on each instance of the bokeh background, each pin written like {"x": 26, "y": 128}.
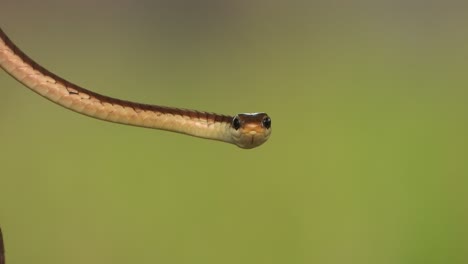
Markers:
{"x": 367, "y": 162}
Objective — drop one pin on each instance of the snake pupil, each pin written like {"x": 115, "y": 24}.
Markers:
{"x": 236, "y": 123}
{"x": 266, "y": 122}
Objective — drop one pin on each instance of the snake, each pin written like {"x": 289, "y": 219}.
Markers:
{"x": 246, "y": 130}
{"x": 2, "y": 248}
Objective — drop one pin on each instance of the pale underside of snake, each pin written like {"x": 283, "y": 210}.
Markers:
{"x": 246, "y": 130}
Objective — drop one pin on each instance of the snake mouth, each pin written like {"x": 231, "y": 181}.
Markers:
{"x": 256, "y": 139}
{"x": 251, "y": 140}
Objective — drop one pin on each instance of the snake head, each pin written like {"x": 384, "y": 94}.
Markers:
{"x": 250, "y": 130}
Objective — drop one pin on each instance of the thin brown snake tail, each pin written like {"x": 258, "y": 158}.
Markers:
{"x": 2, "y": 248}
{"x": 246, "y": 130}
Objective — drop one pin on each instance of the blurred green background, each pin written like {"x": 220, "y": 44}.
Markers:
{"x": 367, "y": 162}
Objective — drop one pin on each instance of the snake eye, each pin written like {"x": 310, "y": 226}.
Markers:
{"x": 236, "y": 124}
{"x": 266, "y": 122}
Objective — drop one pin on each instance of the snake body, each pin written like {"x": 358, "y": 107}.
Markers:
{"x": 2, "y": 248}
{"x": 246, "y": 130}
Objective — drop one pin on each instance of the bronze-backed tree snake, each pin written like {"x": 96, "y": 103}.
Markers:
{"x": 246, "y": 130}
